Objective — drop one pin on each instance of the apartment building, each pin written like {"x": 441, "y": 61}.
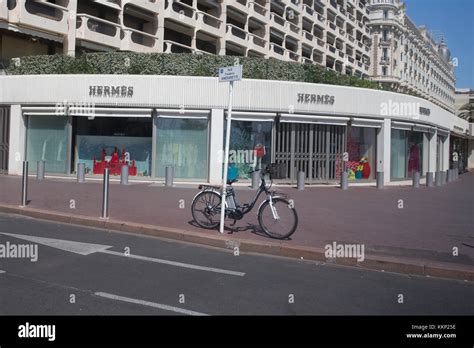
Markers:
{"x": 332, "y": 33}
{"x": 407, "y": 58}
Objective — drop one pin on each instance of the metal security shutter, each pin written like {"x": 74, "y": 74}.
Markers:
{"x": 4, "y": 138}
{"x": 315, "y": 149}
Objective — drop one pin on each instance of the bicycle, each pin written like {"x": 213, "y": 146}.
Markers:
{"x": 274, "y": 213}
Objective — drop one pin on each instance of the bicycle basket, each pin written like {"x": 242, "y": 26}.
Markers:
{"x": 276, "y": 170}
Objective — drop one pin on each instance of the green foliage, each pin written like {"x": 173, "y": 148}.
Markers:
{"x": 182, "y": 65}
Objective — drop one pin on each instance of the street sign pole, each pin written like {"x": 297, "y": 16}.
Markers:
{"x": 227, "y": 74}
{"x": 226, "y": 156}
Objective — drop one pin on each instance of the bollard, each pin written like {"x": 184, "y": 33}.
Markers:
{"x": 81, "y": 172}
{"x": 429, "y": 179}
{"x": 443, "y": 178}
{"x": 380, "y": 180}
{"x": 438, "y": 178}
{"x": 124, "y": 175}
{"x": 105, "y": 195}
{"x": 416, "y": 179}
{"x": 255, "y": 179}
{"x": 456, "y": 174}
{"x": 169, "y": 173}
{"x": 300, "y": 181}
{"x": 24, "y": 185}
{"x": 40, "y": 171}
{"x": 448, "y": 175}
{"x": 344, "y": 181}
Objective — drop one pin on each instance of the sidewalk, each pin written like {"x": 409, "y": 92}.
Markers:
{"x": 421, "y": 234}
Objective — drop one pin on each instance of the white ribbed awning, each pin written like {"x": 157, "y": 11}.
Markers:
{"x": 182, "y": 113}
{"x": 252, "y": 116}
{"x": 88, "y": 111}
{"x": 366, "y": 122}
{"x": 402, "y": 125}
{"x": 331, "y": 120}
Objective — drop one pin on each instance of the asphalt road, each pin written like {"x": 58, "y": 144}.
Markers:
{"x": 162, "y": 277}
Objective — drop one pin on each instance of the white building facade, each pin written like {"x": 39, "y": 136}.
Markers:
{"x": 151, "y": 122}
{"x": 407, "y": 58}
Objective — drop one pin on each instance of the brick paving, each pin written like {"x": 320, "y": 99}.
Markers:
{"x": 431, "y": 222}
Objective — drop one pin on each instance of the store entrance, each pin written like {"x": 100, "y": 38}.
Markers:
{"x": 4, "y": 138}
{"x": 316, "y": 149}
{"x": 111, "y": 142}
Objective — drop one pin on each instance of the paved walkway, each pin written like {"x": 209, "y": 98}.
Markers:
{"x": 431, "y": 222}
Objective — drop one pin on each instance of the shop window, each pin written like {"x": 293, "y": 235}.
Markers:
{"x": 111, "y": 142}
{"x": 361, "y": 144}
{"x": 183, "y": 144}
{"x": 406, "y": 154}
{"x": 250, "y": 146}
{"x": 47, "y": 140}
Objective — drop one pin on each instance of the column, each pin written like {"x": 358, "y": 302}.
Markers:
{"x": 432, "y": 140}
{"x": 216, "y": 146}
{"x": 383, "y": 149}
{"x": 17, "y": 151}
{"x": 446, "y": 154}
{"x": 69, "y": 43}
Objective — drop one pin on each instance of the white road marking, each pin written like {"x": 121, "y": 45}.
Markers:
{"x": 148, "y": 304}
{"x": 2, "y": 271}
{"x": 89, "y": 248}
{"x": 174, "y": 263}
{"x": 66, "y": 245}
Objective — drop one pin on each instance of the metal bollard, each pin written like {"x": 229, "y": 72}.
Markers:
{"x": 81, "y": 172}
{"x": 105, "y": 195}
{"x": 24, "y": 185}
{"x": 416, "y": 179}
{"x": 40, "y": 171}
{"x": 448, "y": 175}
{"x": 438, "y": 178}
{"x": 300, "y": 181}
{"x": 443, "y": 178}
{"x": 169, "y": 174}
{"x": 255, "y": 179}
{"x": 380, "y": 180}
{"x": 429, "y": 179}
{"x": 124, "y": 175}
{"x": 344, "y": 181}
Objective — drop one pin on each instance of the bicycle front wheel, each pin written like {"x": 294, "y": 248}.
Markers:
{"x": 280, "y": 222}
{"x": 206, "y": 209}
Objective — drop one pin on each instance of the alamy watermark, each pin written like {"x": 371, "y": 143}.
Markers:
{"x": 403, "y": 109}
{"x": 336, "y": 250}
{"x": 19, "y": 251}
{"x": 78, "y": 108}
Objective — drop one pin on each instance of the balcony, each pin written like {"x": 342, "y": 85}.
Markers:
{"x": 321, "y": 43}
{"x": 384, "y": 61}
{"x": 257, "y": 43}
{"x": 149, "y": 5}
{"x": 366, "y": 48}
{"x": 321, "y": 19}
{"x": 40, "y": 15}
{"x": 175, "y": 47}
{"x": 385, "y": 42}
{"x": 308, "y": 37}
{"x": 237, "y": 35}
{"x": 257, "y": 10}
{"x": 240, "y": 5}
{"x": 277, "y": 20}
{"x": 350, "y": 59}
{"x": 308, "y": 11}
{"x": 351, "y": 38}
{"x": 209, "y": 23}
{"x": 182, "y": 13}
{"x": 333, "y": 3}
{"x": 139, "y": 41}
{"x": 97, "y": 30}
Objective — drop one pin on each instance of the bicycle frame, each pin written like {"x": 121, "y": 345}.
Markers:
{"x": 246, "y": 208}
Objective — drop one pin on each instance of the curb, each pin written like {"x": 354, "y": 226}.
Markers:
{"x": 439, "y": 270}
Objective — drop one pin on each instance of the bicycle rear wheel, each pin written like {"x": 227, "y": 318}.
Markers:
{"x": 206, "y": 209}
{"x": 281, "y": 226}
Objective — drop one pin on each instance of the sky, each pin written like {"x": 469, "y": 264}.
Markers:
{"x": 455, "y": 19}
